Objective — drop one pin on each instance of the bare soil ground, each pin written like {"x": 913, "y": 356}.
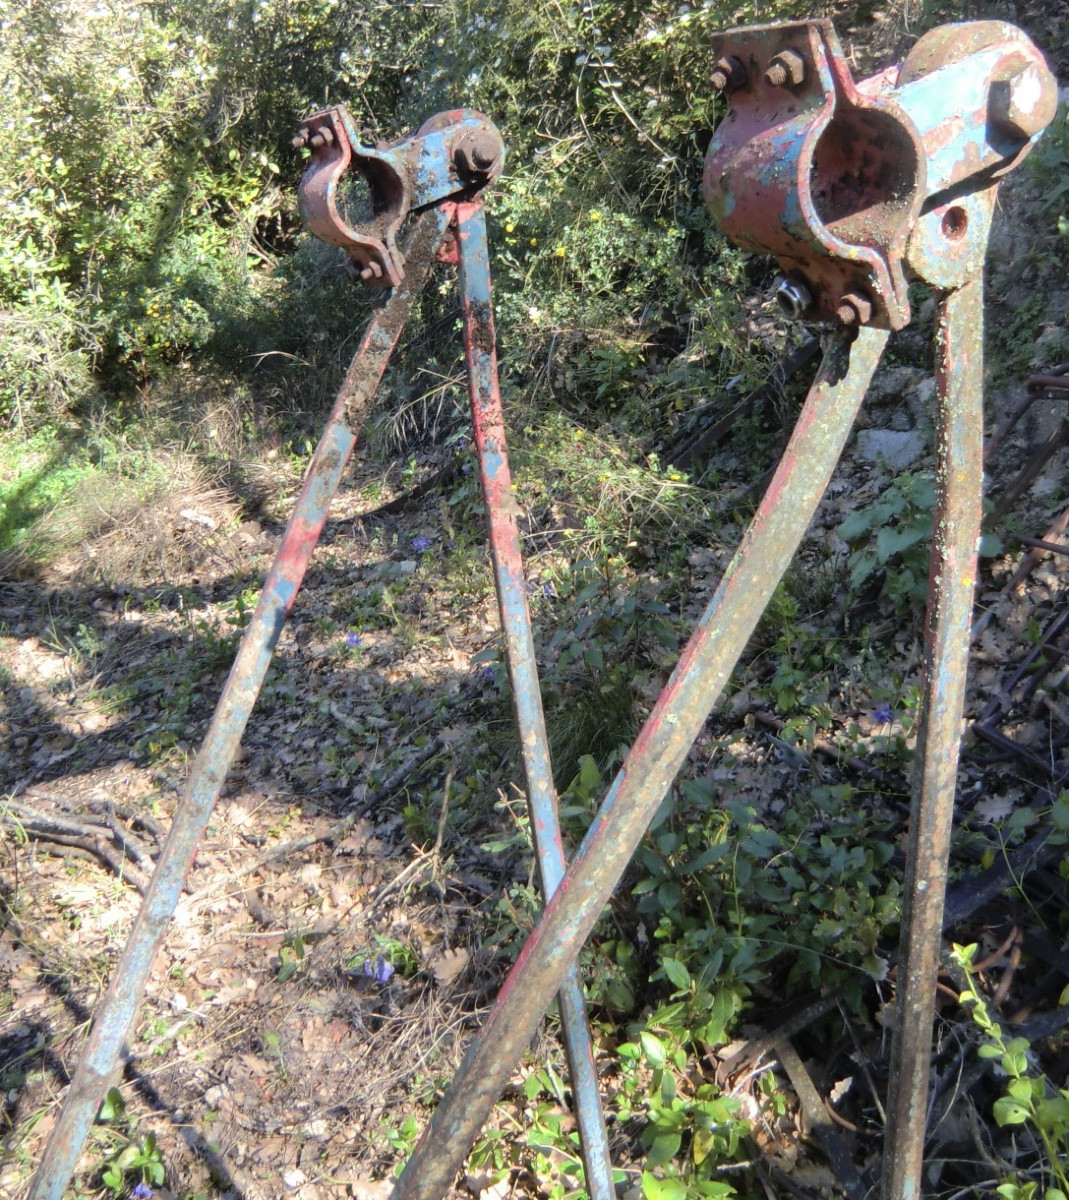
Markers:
{"x": 273, "y": 1055}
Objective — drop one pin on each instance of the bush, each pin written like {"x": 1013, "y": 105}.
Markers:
{"x": 148, "y": 184}
{"x": 139, "y": 176}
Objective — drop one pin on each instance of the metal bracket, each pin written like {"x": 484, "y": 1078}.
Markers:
{"x": 453, "y": 153}
{"x": 847, "y": 184}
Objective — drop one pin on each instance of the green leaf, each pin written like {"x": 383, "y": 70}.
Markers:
{"x": 989, "y": 1050}
{"x": 704, "y": 1141}
{"x": 712, "y": 1188}
{"x": 676, "y": 973}
{"x": 1009, "y": 1112}
{"x": 1017, "y": 1191}
{"x": 662, "y": 1189}
{"x": 894, "y": 541}
{"x": 649, "y": 884}
{"x": 113, "y": 1107}
{"x": 712, "y": 854}
{"x": 1053, "y": 1114}
{"x": 126, "y": 1157}
{"x": 856, "y": 525}
{"x": 588, "y": 781}
{"x": 1014, "y": 1061}
{"x": 665, "y": 1147}
{"x": 653, "y": 1048}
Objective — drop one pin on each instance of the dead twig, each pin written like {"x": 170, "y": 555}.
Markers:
{"x": 1014, "y": 961}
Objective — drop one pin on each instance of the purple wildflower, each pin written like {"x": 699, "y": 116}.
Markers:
{"x": 381, "y": 970}
{"x": 548, "y": 591}
{"x": 419, "y": 544}
{"x": 884, "y": 715}
{"x": 352, "y": 640}
{"x": 488, "y": 674}
{"x": 143, "y": 1191}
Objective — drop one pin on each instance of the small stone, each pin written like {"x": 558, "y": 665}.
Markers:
{"x": 897, "y": 448}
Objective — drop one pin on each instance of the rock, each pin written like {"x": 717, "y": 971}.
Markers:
{"x": 899, "y": 449}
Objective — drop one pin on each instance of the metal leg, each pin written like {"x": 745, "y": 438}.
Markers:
{"x": 959, "y": 475}
{"x": 489, "y": 427}
{"x": 119, "y": 1005}
{"x": 657, "y": 755}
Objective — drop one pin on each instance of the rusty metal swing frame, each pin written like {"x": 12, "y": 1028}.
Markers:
{"x": 849, "y": 186}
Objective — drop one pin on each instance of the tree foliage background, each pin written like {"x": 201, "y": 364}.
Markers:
{"x": 147, "y": 182}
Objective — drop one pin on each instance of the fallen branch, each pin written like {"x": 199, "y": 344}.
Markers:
{"x": 819, "y": 1122}
{"x": 64, "y": 836}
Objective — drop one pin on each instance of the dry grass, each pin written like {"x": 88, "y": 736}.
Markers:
{"x": 137, "y": 531}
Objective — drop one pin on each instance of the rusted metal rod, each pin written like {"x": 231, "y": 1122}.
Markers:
{"x": 489, "y": 429}
{"x": 657, "y": 755}
{"x": 115, "y": 1012}
{"x": 959, "y": 471}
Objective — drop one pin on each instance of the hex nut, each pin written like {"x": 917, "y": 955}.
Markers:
{"x": 788, "y": 67}
{"x": 476, "y": 153}
{"x": 855, "y": 308}
{"x": 728, "y": 74}
{"x": 1024, "y": 104}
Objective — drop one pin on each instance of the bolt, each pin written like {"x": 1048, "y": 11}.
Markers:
{"x": 793, "y": 297}
{"x": 371, "y": 270}
{"x": 477, "y": 152}
{"x": 787, "y": 67}
{"x": 1024, "y": 104}
{"x": 855, "y": 308}
{"x": 301, "y": 140}
{"x": 728, "y": 74}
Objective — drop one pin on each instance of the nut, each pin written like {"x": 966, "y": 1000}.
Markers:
{"x": 323, "y": 136}
{"x": 477, "y": 152}
{"x": 1024, "y": 104}
{"x": 855, "y": 308}
{"x": 793, "y": 297}
{"x": 788, "y": 67}
{"x": 728, "y": 74}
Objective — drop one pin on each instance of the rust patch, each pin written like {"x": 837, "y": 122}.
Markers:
{"x": 481, "y": 327}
